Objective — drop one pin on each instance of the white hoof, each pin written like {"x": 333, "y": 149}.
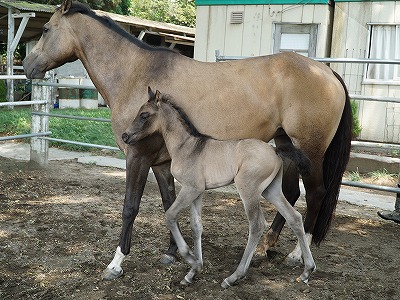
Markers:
{"x": 111, "y": 274}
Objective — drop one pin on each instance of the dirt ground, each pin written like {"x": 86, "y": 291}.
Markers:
{"x": 59, "y": 228}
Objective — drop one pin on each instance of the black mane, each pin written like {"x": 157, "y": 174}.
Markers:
{"x": 183, "y": 117}
{"x": 84, "y": 9}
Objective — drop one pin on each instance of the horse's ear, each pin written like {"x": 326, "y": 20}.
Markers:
{"x": 151, "y": 94}
{"x": 65, "y": 6}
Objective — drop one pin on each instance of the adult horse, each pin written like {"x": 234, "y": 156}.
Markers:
{"x": 287, "y": 97}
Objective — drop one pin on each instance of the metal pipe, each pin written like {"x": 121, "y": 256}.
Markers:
{"x": 81, "y": 144}
{"x": 376, "y": 145}
{"x": 21, "y": 103}
{"x": 374, "y": 98}
{"x": 23, "y": 136}
{"x": 371, "y": 186}
{"x": 74, "y": 86}
{"x": 72, "y": 117}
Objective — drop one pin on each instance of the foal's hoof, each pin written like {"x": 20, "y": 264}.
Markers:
{"x": 225, "y": 284}
{"x": 293, "y": 261}
{"x": 111, "y": 274}
{"x": 167, "y": 259}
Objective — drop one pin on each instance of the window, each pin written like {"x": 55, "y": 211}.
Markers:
{"x": 384, "y": 43}
{"x": 300, "y": 38}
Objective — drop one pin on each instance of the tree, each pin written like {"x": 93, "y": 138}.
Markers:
{"x": 106, "y": 5}
{"x": 180, "y": 12}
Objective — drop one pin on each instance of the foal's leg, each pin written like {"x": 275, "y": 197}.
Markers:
{"x": 197, "y": 230}
{"x": 291, "y": 190}
{"x": 186, "y": 196}
{"x": 166, "y": 184}
{"x": 257, "y": 224}
{"x": 274, "y": 194}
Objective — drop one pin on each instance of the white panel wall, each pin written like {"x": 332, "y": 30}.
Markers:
{"x": 254, "y": 36}
{"x": 379, "y": 121}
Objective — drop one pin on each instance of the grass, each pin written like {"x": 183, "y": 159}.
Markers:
{"x": 379, "y": 177}
{"x": 18, "y": 121}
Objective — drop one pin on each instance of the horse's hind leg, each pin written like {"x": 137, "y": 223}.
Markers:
{"x": 166, "y": 184}
{"x": 257, "y": 225}
{"x": 315, "y": 192}
{"x": 290, "y": 187}
{"x": 274, "y": 194}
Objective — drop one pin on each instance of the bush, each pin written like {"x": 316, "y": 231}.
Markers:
{"x": 356, "y": 122}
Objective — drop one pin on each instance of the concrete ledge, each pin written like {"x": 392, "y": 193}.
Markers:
{"x": 365, "y": 163}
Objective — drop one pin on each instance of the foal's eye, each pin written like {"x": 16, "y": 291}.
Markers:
{"x": 144, "y": 115}
{"x": 45, "y": 29}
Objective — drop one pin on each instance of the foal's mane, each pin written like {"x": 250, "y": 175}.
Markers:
{"x": 183, "y": 117}
{"x": 77, "y": 7}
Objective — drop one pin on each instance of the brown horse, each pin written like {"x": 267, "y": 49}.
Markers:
{"x": 199, "y": 162}
{"x": 292, "y": 99}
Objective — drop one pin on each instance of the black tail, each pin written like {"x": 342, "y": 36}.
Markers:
{"x": 335, "y": 161}
{"x": 301, "y": 160}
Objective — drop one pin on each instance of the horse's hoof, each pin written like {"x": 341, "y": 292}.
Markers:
{"x": 111, "y": 274}
{"x": 167, "y": 259}
{"x": 225, "y": 284}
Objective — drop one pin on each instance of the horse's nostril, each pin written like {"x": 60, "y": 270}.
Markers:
{"x": 125, "y": 137}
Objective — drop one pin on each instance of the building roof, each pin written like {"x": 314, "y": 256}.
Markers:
{"x": 173, "y": 33}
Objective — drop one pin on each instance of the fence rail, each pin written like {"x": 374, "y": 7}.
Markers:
{"x": 24, "y": 136}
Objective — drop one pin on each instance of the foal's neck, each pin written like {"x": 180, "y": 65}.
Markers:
{"x": 175, "y": 132}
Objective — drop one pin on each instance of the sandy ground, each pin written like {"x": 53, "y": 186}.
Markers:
{"x": 59, "y": 228}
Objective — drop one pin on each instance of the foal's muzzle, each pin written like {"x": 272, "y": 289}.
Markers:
{"x": 125, "y": 137}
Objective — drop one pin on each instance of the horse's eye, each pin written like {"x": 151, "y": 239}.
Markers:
{"x": 45, "y": 29}
{"x": 144, "y": 115}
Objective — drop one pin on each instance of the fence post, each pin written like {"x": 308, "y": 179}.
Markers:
{"x": 39, "y": 153}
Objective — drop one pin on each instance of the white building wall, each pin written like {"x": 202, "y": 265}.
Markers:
{"x": 380, "y": 121}
{"x": 254, "y": 36}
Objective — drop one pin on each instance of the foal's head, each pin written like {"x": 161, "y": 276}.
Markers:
{"x": 146, "y": 121}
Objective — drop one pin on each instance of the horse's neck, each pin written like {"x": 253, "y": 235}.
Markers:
{"x": 104, "y": 55}
{"x": 175, "y": 134}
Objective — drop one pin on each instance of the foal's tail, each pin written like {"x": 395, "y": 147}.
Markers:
{"x": 301, "y": 160}
{"x": 335, "y": 161}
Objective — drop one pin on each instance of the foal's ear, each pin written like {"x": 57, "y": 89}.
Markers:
{"x": 151, "y": 94}
{"x": 158, "y": 97}
{"x": 65, "y": 6}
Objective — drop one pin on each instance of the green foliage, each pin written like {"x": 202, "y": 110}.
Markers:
{"x": 106, "y": 5}
{"x": 356, "y": 122}
{"x": 18, "y": 121}
{"x": 180, "y": 12}
{"x": 353, "y": 176}
{"x": 3, "y": 91}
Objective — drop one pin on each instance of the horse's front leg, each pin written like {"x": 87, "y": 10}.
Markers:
{"x": 166, "y": 184}
{"x": 137, "y": 169}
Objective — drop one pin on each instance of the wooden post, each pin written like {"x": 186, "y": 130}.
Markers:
{"x": 40, "y": 147}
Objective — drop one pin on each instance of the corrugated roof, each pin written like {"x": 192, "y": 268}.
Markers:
{"x": 28, "y": 6}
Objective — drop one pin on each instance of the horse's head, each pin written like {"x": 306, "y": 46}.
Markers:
{"x": 55, "y": 47}
{"x": 146, "y": 121}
